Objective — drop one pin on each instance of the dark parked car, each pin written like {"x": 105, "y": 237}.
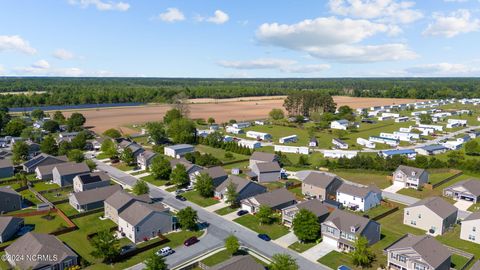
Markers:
{"x": 242, "y": 212}
{"x": 126, "y": 249}
{"x": 264, "y": 237}
{"x": 180, "y": 197}
{"x": 190, "y": 241}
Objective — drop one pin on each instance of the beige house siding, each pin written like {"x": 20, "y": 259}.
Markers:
{"x": 423, "y": 218}
{"x": 470, "y": 231}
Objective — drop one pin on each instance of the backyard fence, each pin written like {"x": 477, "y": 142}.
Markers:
{"x": 446, "y": 180}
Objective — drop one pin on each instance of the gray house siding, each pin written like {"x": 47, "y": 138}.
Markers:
{"x": 10, "y": 202}
{"x": 268, "y": 177}
{"x": 156, "y": 223}
{"x": 10, "y": 231}
{"x": 6, "y": 172}
{"x": 85, "y": 207}
{"x": 372, "y": 232}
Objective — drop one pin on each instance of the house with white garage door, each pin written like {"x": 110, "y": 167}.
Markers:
{"x": 468, "y": 190}
{"x": 410, "y": 177}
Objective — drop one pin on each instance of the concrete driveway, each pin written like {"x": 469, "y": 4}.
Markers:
{"x": 393, "y": 188}
{"x": 286, "y": 240}
{"x": 215, "y": 207}
{"x": 231, "y": 216}
{"x": 318, "y": 251}
{"x": 463, "y": 205}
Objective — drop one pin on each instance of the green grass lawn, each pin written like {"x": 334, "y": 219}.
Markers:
{"x": 219, "y": 153}
{"x": 171, "y": 189}
{"x": 301, "y": 247}
{"x": 57, "y": 195}
{"x": 3, "y": 263}
{"x": 43, "y": 225}
{"x": 101, "y": 156}
{"x": 29, "y": 196}
{"x": 273, "y": 230}
{"x": 380, "y": 179}
{"x": 152, "y": 180}
{"x": 437, "y": 176}
{"x": 376, "y": 211}
{"x": 474, "y": 207}
{"x": 124, "y": 167}
{"x": 334, "y": 259}
{"x": 67, "y": 209}
{"x": 195, "y": 197}
{"x": 217, "y": 258}
{"x": 41, "y": 186}
{"x": 226, "y": 210}
{"x": 138, "y": 172}
{"x": 452, "y": 238}
{"x": 13, "y": 185}
{"x": 458, "y": 261}
{"x": 176, "y": 239}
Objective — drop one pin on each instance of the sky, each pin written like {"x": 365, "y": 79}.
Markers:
{"x": 240, "y": 39}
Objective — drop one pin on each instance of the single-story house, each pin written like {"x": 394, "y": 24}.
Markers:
{"x": 409, "y": 153}
{"x": 315, "y": 206}
{"x": 432, "y": 214}
{"x": 342, "y": 228}
{"x": 470, "y": 228}
{"x": 178, "y": 150}
{"x": 35, "y": 245}
{"x": 339, "y": 143}
{"x": 64, "y": 173}
{"x": 339, "y": 154}
{"x": 430, "y": 150}
{"x": 6, "y": 168}
{"x": 414, "y": 252}
{"x": 339, "y": 124}
{"x": 467, "y": 190}
{"x": 42, "y": 160}
{"x": 410, "y": 177}
{"x": 266, "y": 171}
{"x": 10, "y": 200}
{"x": 91, "y": 180}
{"x": 321, "y": 185}
{"x": 145, "y": 158}
{"x": 9, "y": 226}
{"x": 359, "y": 198}
{"x": 141, "y": 221}
{"x": 119, "y": 201}
{"x": 92, "y": 198}
{"x": 244, "y": 188}
{"x": 277, "y": 199}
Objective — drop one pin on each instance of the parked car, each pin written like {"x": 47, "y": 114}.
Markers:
{"x": 264, "y": 237}
{"x": 164, "y": 252}
{"x": 190, "y": 241}
{"x": 242, "y": 212}
{"x": 180, "y": 198}
{"x": 343, "y": 267}
{"x": 179, "y": 191}
{"x": 126, "y": 249}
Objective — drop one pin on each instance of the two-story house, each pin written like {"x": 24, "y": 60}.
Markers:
{"x": 89, "y": 181}
{"x": 432, "y": 214}
{"x": 315, "y": 206}
{"x": 119, "y": 201}
{"x": 410, "y": 177}
{"x": 470, "y": 230}
{"x": 243, "y": 187}
{"x": 277, "y": 199}
{"x": 341, "y": 229}
{"x": 359, "y": 198}
{"x": 320, "y": 185}
{"x": 64, "y": 173}
{"x": 418, "y": 252}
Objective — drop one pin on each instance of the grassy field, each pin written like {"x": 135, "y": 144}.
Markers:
{"x": 437, "y": 176}
{"x": 101, "y": 156}
{"x": 152, "y": 180}
{"x": 57, "y": 195}
{"x": 124, "y": 167}
{"x": 29, "y": 196}
{"x": 44, "y": 225}
{"x": 376, "y": 211}
{"x": 474, "y": 207}
{"x": 301, "y": 247}
{"x": 273, "y": 230}
{"x": 226, "y": 210}
{"x": 195, "y": 197}
{"x": 67, "y": 209}
{"x": 220, "y": 153}
{"x": 41, "y": 186}
{"x": 379, "y": 179}
{"x": 452, "y": 238}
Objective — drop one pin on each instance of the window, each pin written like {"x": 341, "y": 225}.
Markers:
{"x": 418, "y": 266}
{"x": 402, "y": 258}
{"x": 419, "y": 215}
{"x": 413, "y": 222}
{"x": 408, "y": 213}
{"x": 474, "y": 229}
{"x": 471, "y": 237}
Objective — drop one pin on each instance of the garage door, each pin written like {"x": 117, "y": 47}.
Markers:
{"x": 330, "y": 241}
{"x": 398, "y": 184}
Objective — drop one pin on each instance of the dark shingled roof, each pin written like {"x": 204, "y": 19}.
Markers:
{"x": 268, "y": 167}
{"x": 319, "y": 179}
{"x": 471, "y": 185}
{"x": 357, "y": 191}
{"x": 93, "y": 177}
{"x": 274, "y": 198}
{"x": 121, "y": 198}
{"x": 409, "y": 170}
{"x": 138, "y": 211}
{"x": 96, "y": 194}
{"x": 69, "y": 168}
{"x": 473, "y": 216}
{"x": 262, "y": 156}
{"x": 344, "y": 221}
{"x": 315, "y": 206}
{"x": 215, "y": 172}
{"x": 437, "y": 205}
{"x": 427, "y": 246}
{"x": 239, "y": 263}
{"x": 6, "y": 221}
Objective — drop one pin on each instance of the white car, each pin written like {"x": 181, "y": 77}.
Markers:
{"x": 164, "y": 252}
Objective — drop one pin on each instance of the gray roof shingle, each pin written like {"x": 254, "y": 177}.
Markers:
{"x": 409, "y": 170}
{"x": 262, "y": 156}
{"x": 344, "y": 221}
{"x": 96, "y": 194}
{"x": 357, "y": 191}
{"x": 437, "y": 205}
{"x": 69, "y": 168}
{"x": 274, "y": 198}
{"x": 471, "y": 185}
{"x": 138, "y": 211}
{"x": 239, "y": 263}
{"x": 121, "y": 198}
{"x": 319, "y": 179}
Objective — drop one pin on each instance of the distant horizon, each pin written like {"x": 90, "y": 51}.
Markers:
{"x": 247, "y": 39}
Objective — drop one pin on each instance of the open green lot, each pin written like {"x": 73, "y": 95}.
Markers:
{"x": 220, "y": 153}
{"x": 30, "y": 197}
{"x": 152, "y": 180}
{"x": 101, "y": 156}
{"x": 452, "y": 238}
{"x": 379, "y": 179}
{"x": 273, "y": 230}
{"x": 226, "y": 210}
{"x": 301, "y": 247}
{"x": 41, "y": 186}
{"x": 124, "y": 167}
{"x": 57, "y": 195}
{"x": 436, "y": 176}
{"x": 438, "y": 191}
{"x": 196, "y": 198}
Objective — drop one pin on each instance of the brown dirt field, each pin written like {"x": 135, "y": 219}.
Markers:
{"x": 255, "y": 108}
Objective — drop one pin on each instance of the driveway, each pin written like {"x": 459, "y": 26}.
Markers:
{"x": 463, "y": 205}
{"x": 393, "y": 188}
{"x": 231, "y": 216}
{"x": 215, "y": 207}
{"x": 286, "y": 240}
{"x": 318, "y": 251}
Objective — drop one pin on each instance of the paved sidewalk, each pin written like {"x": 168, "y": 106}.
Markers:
{"x": 286, "y": 240}
{"x": 318, "y": 251}
{"x": 138, "y": 176}
{"x": 215, "y": 207}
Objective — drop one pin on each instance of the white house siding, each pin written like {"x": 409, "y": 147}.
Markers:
{"x": 148, "y": 228}
{"x": 364, "y": 204}
{"x": 470, "y": 231}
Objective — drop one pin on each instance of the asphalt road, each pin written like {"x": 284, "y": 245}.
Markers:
{"x": 218, "y": 230}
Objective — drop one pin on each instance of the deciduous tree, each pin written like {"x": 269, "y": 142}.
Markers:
{"x": 140, "y": 188}
{"x": 49, "y": 146}
{"x": 204, "y": 185}
{"x": 231, "y": 244}
{"x": 105, "y": 246}
{"x": 187, "y": 218}
{"x": 283, "y": 262}
{"x": 306, "y": 226}
{"x": 179, "y": 176}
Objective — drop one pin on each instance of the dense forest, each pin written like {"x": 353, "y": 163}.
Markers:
{"x": 73, "y": 91}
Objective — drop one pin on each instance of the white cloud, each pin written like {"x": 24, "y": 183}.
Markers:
{"x": 334, "y": 39}
{"x": 41, "y": 64}
{"x": 456, "y": 1}
{"x": 455, "y": 23}
{"x": 171, "y": 15}
{"x": 101, "y": 5}
{"x": 284, "y": 65}
{"x": 219, "y": 17}
{"x": 442, "y": 69}
{"x": 386, "y": 10}
{"x": 43, "y": 68}
{"x": 2, "y": 70}
{"x": 63, "y": 54}
{"x": 15, "y": 43}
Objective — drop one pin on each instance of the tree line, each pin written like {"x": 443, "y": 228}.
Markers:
{"x": 73, "y": 91}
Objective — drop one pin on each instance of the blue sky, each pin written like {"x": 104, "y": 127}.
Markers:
{"x": 331, "y": 38}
